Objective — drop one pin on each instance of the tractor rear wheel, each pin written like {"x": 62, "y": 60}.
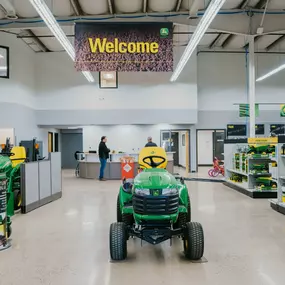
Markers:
{"x": 119, "y": 213}
{"x": 17, "y": 199}
{"x": 118, "y": 241}
{"x": 193, "y": 241}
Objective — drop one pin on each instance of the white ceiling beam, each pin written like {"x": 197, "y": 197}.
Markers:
{"x": 219, "y": 40}
{"x": 244, "y": 4}
{"x": 275, "y": 43}
{"x": 234, "y": 24}
{"x": 37, "y": 41}
{"x": 178, "y": 5}
{"x": 76, "y": 7}
{"x": 144, "y": 6}
{"x": 261, "y": 4}
{"x": 194, "y": 8}
{"x": 111, "y": 8}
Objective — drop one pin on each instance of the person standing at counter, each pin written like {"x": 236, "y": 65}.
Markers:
{"x": 150, "y": 143}
{"x": 103, "y": 156}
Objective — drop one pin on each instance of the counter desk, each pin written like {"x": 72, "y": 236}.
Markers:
{"x": 90, "y": 167}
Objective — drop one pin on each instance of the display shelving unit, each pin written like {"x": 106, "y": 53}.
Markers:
{"x": 242, "y": 173}
{"x": 278, "y": 204}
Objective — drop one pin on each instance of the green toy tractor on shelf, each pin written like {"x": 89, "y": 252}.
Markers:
{"x": 155, "y": 207}
{"x": 255, "y": 149}
{"x": 266, "y": 183}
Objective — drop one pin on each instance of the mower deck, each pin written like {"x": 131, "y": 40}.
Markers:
{"x": 154, "y": 234}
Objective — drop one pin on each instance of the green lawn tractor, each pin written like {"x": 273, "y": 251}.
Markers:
{"x": 10, "y": 163}
{"x": 155, "y": 207}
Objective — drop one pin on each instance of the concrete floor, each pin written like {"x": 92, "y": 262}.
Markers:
{"x": 66, "y": 242}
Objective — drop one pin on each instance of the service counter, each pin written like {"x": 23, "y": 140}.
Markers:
{"x": 90, "y": 167}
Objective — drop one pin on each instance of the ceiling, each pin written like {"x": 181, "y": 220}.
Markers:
{"x": 228, "y": 32}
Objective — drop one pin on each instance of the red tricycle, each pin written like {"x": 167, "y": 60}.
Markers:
{"x": 218, "y": 168}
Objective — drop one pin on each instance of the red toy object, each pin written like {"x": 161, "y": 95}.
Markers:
{"x": 217, "y": 169}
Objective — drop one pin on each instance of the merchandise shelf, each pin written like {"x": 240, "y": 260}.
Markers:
{"x": 253, "y": 174}
{"x": 279, "y": 203}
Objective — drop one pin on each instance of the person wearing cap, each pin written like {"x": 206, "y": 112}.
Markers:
{"x": 103, "y": 156}
{"x": 150, "y": 143}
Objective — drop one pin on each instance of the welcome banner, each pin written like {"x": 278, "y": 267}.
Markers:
{"x": 125, "y": 47}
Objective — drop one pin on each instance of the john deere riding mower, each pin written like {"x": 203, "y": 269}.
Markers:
{"x": 10, "y": 163}
{"x": 155, "y": 207}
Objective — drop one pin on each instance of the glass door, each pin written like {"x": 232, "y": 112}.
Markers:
{"x": 218, "y": 144}
{"x": 165, "y": 140}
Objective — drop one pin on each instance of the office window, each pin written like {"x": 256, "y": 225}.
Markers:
{"x": 108, "y": 79}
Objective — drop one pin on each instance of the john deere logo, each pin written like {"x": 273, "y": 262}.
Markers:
{"x": 155, "y": 192}
{"x": 164, "y": 32}
{"x": 153, "y": 152}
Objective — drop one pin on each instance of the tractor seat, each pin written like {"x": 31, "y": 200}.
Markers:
{"x": 153, "y": 157}
{"x": 19, "y": 155}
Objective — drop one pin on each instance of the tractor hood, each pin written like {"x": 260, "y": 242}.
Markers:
{"x": 155, "y": 179}
{"x": 5, "y": 164}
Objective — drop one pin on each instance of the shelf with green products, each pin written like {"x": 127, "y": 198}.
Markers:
{"x": 251, "y": 166}
{"x": 278, "y": 204}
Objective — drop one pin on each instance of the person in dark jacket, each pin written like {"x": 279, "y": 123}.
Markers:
{"x": 150, "y": 143}
{"x": 103, "y": 156}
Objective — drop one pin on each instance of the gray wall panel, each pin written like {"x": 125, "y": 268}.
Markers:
{"x": 111, "y": 117}
{"x": 31, "y": 183}
{"x": 56, "y": 183}
{"x": 45, "y": 179}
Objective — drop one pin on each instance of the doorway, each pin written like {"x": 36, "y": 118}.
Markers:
{"x": 178, "y": 142}
{"x": 56, "y": 142}
{"x": 210, "y": 144}
{"x": 70, "y": 143}
{"x": 50, "y": 142}
{"x": 175, "y": 147}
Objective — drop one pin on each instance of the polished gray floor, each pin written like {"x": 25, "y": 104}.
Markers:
{"x": 66, "y": 242}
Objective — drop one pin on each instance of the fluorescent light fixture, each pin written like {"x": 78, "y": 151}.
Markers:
{"x": 3, "y": 67}
{"x": 57, "y": 31}
{"x": 200, "y": 30}
{"x": 1, "y": 56}
{"x": 274, "y": 71}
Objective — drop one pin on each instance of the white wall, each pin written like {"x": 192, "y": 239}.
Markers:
{"x": 126, "y": 138}
{"x": 17, "y": 94}
{"x": 222, "y": 81}
{"x": 57, "y": 81}
{"x": 20, "y": 87}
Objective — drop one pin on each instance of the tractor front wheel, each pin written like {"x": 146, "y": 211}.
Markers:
{"x": 17, "y": 199}
{"x": 193, "y": 241}
{"x": 118, "y": 241}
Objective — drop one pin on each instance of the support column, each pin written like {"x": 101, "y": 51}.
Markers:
{"x": 251, "y": 75}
